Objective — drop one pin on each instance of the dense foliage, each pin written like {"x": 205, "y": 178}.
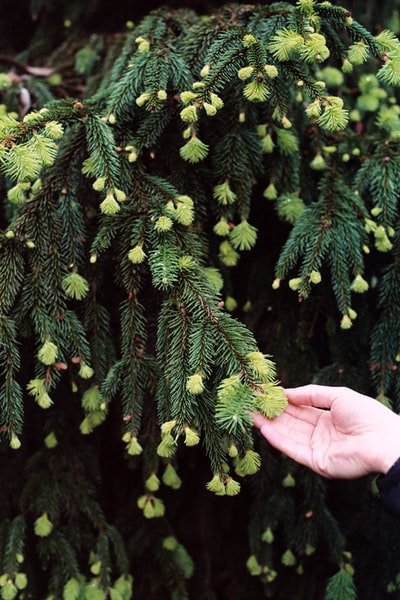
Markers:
{"x": 196, "y": 212}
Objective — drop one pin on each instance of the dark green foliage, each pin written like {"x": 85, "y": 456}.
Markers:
{"x": 148, "y": 229}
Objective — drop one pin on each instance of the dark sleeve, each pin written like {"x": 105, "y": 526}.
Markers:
{"x": 389, "y": 488}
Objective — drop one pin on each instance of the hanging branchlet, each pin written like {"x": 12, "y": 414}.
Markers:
{"x": 125, "y": 218}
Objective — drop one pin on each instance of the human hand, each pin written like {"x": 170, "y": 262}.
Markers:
{"x": 335, "y": 431}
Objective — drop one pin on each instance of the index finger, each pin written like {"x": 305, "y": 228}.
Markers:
{"x": 320, "y": 396}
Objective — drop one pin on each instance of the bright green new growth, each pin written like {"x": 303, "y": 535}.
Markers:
{"x": 127, "y": 213}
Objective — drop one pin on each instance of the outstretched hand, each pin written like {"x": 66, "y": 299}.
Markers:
{"x": 335, "y": 431}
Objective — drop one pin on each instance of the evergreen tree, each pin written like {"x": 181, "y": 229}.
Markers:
{"x": 213, "y": 218}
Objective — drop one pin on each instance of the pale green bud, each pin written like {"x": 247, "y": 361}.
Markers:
{"x": 167, "y": 427}
{"x": 358, "y": 53}
{"x": 287, "y": 124}
{"x": 9, "y": 591}
{"x": 75, "y": 286}
{"x": 249, "y": 40}
{"x": 36, "y": 387}
{"x": 136, "y": 255}
{"x": 148, "y": 510}
{"x": 143, "y": 44}
{"x": 271, "y": 71}
{"x": 195, "y": 384}
{"x": 132, "y": 156}
{"x": 72, "y": 590}
{"x": 162, "y": 95}
{"x": 256, "y": 91}
{"x": 243, "y": 236}
{"x": 232, "y": 451}
{"x": 152, "y": 483}
{"x": 167, "y": 447}
{"x": 382, "y": 242}
{"x": 359, "y": 285}
{"x": 189, "y": 114}
{"x": 184, "y": 199}
{"x": 185, "y": 263}
{"x": 369, "y": 225}
{"x": 352, "y": 313}
{"x": 21, "y": 581}
{"x": 318, "y": 163}
{"x": 170, "y": 543}
{"x": 267, "y": 144}
{"x": 288, "y": 558}
{"x": 346, "y": 322}
{"x": 270, "y": 192}
{"x": 230, "y": 304}
{"x": 127, "y": 436}
{"x": 232, "y": 487}
{"x": 91, "y": 399}
{"x": 315, "y": 277}
{"x": 159, "y": 507}
{"x": 192, "y": 438}
{"x": 43, "y": 526}
{"x": 85, "y": 371}
{"x": 109, "y": 206}
{"x": 133, "y": 447}
{"x": 163, "y": 224}
{"x": 268, "y": 536}
{"x": 210, "y": 110}
{"x": 187, "y": 96}
{"x": 295, "y": 283}
{"x": 276, "y": 284}
{"x": 222, "y": 228}
{"x": 223, "y": 193}
{"x": 171, "y": 478}
{"x": 249, "y": 464}
{"x": 205, "y": 71}
{"x": 143, "y": 99}
{"x": 15, "y": 442}
{"x": 228, "y": 256}
{"x": 216, "y": 485}
{"x": 50, "y": 440}
{"x": 273, "y": 402}
{"x": 54, "y": 130}
{"x": 99, "y": 184}
{"x": 245, "y": 72}
{"x": 288, "y": 481}
{"x": 184, "y": 214}
{"x": 194, "y": 150}
{"x": 119, "y": 195}
{"x": 16, "y": 195}
{"x": 48, "y": 353}
{"x": 253, "y": 566}
{"x": 44, "y": 400}
{"x": 86, "y": 426}
{"x": 347, "y": 66}
{"x": 216, "y": 101}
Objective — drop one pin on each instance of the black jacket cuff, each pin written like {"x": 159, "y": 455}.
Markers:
{"x": 389, "y": 488}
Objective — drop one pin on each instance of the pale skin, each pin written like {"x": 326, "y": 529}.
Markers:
{"x": 334, "y": 431}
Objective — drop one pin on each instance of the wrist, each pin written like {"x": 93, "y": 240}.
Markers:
{"x": 389, "y": 447}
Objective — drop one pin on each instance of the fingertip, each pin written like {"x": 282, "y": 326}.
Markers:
{"x": 258, "y": 420}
